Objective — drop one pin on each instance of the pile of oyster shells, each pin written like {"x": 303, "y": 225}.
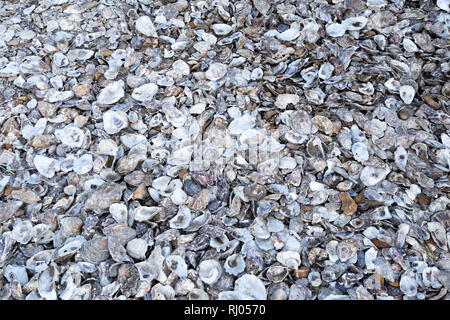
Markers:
{"x": 227, "y": 149}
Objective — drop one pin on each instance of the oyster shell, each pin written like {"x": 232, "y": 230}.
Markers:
{"x": 234, "y": 264}
{"x": 112, "y": 93}
{"x": 250, "y": 286}
{"x": 177, "y": 265}
{"x": 224, "y": 150}
{"x": 145, "y": 26}
{"x": 290, "y": 259}
{"x": 114, "y": 121}
{"x": 283, "y": 100}
{"x": 209, "y": 271}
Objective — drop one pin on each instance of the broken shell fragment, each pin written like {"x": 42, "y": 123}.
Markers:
{"x": 46, "y": 166}
{"x": 114, "y": 121}
{"x": 174, "y": 150}
{"x": 216, "y": 71}
{"x": 177, "y": 265}
{"x": 111, "y": 93}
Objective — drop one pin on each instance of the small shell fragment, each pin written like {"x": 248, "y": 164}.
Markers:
{"x": 145, "y": 26}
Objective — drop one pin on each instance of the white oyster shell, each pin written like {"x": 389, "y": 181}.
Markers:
{"x": 83, "y": 164}
{"x": 181, "y": 67}
{"x": 107, "y": 147}
{"x": 316, "y": 96}
{"x": 29, "y": 131}
{"x": 162, "y": 292}
{"x": 177, "y": 264}
{"x": 290, "y": 34}
{"x": 360, "y": 152}
{"x": 221, "y": 29}
{"x": 182, "y": 219}
{"x": 144, "y": 213}
{"x": 137, "y": 248}
{"x": 283, "y": 100}
{"x": 22, "y": 231}
{"x": 336, "y": 29}
{"x": 438, "y": 234}
{"x": 18, "y": 273}
{"x": 290, "y": 259}
{"x": 209, "y": 271}
{"x": 114, "y": 121}
{"x": 242, "y": 124}
{"x": 71, "y": 136}
{"x": 59, "y": 96}
{"x": 178, "y": 196}
{"x": 251, "y": 286}
{"x": 392, "y": 85}
{"x": 161, "y": 183}
{"x": 219, "y": 242}
{"x": 119, "y": 212}
{"x": 325, "y": 71}
{"x": 355, "y": 23}
{"x": 145, "y": 92}
{"x": 401, "y": 158}
{"x": 112, "y": 93}
{"x": 409, "y": 45}
{"x": 46, "y": 166}
{"x": 444, "y": 5}
{"x": 131, "y": 140}
{"x": 408, "y": 285}
{"x": 216, "y": 71}
{"x": 370, "y": 176}
{"x": 234, "y": 264}
{"x": 407, "y": 94}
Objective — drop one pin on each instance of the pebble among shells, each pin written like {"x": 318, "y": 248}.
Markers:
{"x": 224, "y": 150}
